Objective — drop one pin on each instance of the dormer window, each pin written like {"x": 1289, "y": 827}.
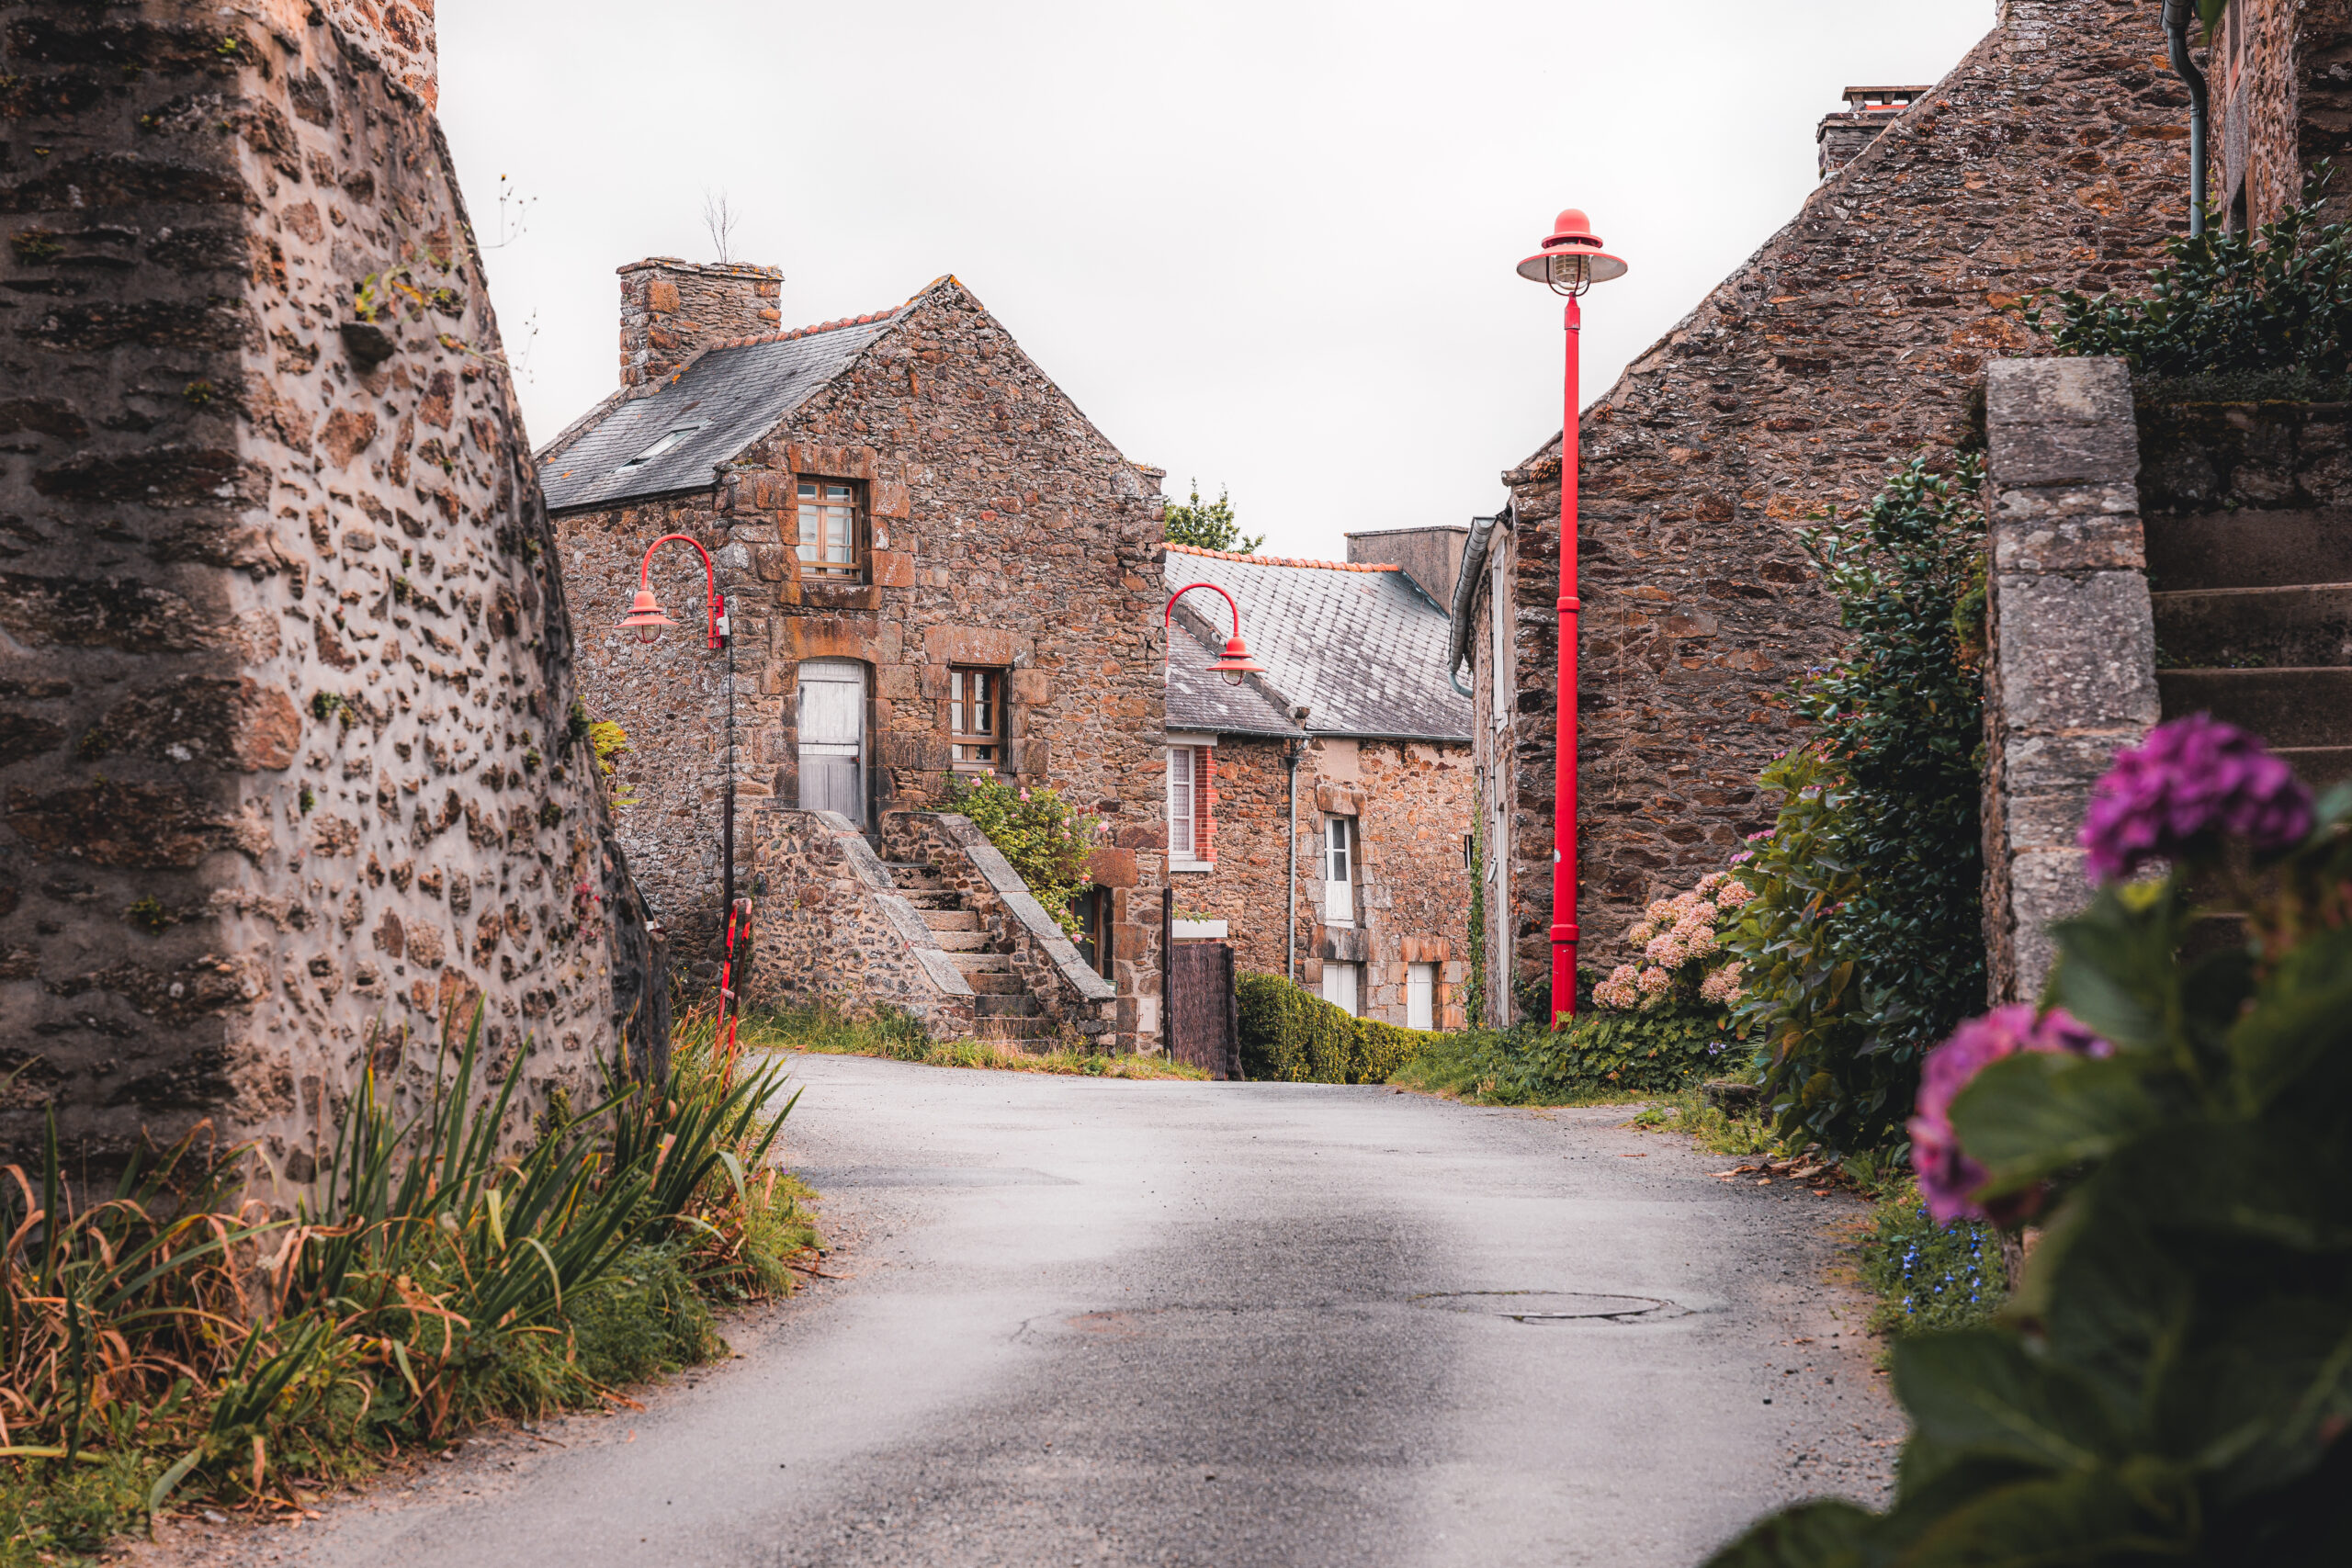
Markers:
{"x": 671, "y": 441}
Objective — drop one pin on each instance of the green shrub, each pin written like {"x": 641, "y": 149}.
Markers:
{"x": 2277, "y": 300}
{"x": 2173, "y": 1383}
{"x": 1661, "y": 1051}
{"x": 1864, "y": 943}
{"x": 1040, "y": 835}
{"x": 1292, "y": 1036}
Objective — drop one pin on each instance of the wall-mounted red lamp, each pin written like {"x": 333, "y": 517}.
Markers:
{"x": 645, "y": 614}
{"x": 1236, "y": 661}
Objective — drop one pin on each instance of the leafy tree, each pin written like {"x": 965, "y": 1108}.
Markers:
{"x": 1209, "y": 525}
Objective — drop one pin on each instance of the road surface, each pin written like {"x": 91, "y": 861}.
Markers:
{"x": 1095, "y": 1322}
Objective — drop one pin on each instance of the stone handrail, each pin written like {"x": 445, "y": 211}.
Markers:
{"x": 833, "y": 930}
{"x": 1064, "y": 985}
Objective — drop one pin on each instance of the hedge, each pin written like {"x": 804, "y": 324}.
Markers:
{"x": 1291, "y": 1035}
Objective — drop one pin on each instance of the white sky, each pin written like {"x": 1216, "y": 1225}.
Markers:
{"x": 1266, "y": 243}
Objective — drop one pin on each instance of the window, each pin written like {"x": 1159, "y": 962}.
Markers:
{"x": 976, "y": 719}
{"x": 1341, "y": 985}
{"x": 829, "y": 539}
{"x": 1420, "y": 996}
{"x": 1192, "y": 814}
{"x": 1338, "y": 870}
{"x": 670, "y": 442}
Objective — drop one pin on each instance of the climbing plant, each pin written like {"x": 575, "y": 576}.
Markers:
{"x": 1041, "y": 836}
{"x": 1863, "y": 945}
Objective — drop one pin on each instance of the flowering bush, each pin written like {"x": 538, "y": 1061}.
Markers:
{"x": 1681, "y": 948}
{"x": 1040, "y": 835}
{"x": 2173, "y": 1382}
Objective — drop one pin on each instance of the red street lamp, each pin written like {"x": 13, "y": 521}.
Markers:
{"x": 1236, "y": 661}
{"x": 646, "y": 619}
{"x": 1570, "y": 260}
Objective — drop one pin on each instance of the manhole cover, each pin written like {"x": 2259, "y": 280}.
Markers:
{"x": 1545, "y": 1306}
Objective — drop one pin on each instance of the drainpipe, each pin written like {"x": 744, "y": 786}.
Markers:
{"x": 1465, "y": 594}
{"x": 2176, "y": 14}
{"x": 1290, "y": 755}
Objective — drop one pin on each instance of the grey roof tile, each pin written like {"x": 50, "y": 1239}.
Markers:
{"x": 1199, "y": 701}
{"x": 730, "y": 396}
{"x": 1362, "y": 647}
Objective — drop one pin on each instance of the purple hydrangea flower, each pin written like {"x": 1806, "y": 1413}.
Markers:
{"x": 2193, "y": 778}
{"x": 1948, "y": 1177}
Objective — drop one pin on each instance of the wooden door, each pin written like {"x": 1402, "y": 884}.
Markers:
{"x": 1204, "y": 1023}
{"x": 832, "y": 737}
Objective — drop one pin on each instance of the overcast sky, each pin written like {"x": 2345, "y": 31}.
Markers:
{"x": 1265, "y": 243}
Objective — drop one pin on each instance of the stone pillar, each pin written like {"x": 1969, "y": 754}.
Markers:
{"x": 2072, "y": 672}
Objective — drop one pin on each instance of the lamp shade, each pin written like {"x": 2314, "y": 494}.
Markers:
{"x": 645, "y": 616}
{"x": 1571, "y": 257}
{"x": 1237, "y": 662}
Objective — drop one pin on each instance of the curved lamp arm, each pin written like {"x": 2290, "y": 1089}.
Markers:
{"x": 647, "y": 614}
{"x": 1235, "y": 664}
{"x": 1168, "y": 615}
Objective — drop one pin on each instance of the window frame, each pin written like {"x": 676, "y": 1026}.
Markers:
{"x": 1349, "y": 847}
{"x": 995, "y": 699}
{"x": 1200, "y": 754}
{"x": 807, "y": 511}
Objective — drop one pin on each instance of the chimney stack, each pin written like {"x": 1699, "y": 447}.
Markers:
{"x": 1431, "y": 557}
{"x": 1869, "y": 111}
{"x": 669, "y": 309}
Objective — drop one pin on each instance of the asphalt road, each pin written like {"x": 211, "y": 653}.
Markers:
{"x": 1106, "y": 1322}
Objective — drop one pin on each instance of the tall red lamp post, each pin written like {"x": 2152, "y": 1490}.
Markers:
{"x": 1569, "y": 262}
{"x": 646, "y": 619}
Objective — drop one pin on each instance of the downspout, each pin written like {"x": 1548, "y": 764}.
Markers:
{"x": 1290, "y": 755}
{"x": 2177, "y": 13}
{"x": 1465, "y": 594}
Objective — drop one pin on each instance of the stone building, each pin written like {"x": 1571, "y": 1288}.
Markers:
{"x": 288, "y": 770}
{"x": 1337, "y": 785}
{"x": 1856, "y": 338}
{"x": 937, "y": 567}
{"x": 2280, "y": 77}
{"x": 1842, "y": 135}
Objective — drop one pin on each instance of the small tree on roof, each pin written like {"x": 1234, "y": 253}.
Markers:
{"x": 1208, "y": 525}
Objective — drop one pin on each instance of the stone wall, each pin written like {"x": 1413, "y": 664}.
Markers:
{"x": 2051, "y": 157}
{"x": 287, "y": 766}
{"x": 833, "y": 931}
{"x": 2282, "y": 94}
{"x": 1008, "y": 532}
{"x": 2072, "y": 675}
{"x": 1412, "y": 801}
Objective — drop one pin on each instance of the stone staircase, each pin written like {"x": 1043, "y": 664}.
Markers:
{"x": 2253, "y": 626}
{"x": 1003, "y": 1007}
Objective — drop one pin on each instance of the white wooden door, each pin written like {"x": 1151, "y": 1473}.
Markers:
{"x": 1420, "y": 996}
{"x": 832, "y": 737}
{"x": 1340, "y": 987}
{"x": 1338, "y": 870}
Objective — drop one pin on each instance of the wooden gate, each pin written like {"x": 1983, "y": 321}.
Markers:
{"x": 1204, "y": 1022}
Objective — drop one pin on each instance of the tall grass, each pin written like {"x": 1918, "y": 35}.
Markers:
{"x": 901, "y": 1038}
{"x": 170, "y": 1341}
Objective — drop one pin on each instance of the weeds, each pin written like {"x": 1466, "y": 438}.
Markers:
{"x": 171, "y": 1342}
{"x": 1930, "y": 1276}
{"x": 901, "y": 1038}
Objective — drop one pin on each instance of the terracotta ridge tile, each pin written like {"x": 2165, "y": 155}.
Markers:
{"x": 787, "y": 335}
{"x": 1283, "y": 560}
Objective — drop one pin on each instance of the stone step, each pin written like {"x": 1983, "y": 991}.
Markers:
{"x": 2320, "y": 766}
{"x": 2256, "y": 628}
{"x": 963, "y": 942}
{"x": 984, "y": 963}
{"x": 941, "y": 919}
{"x": 1018, "y": 1004}
{"x": 933, "y": 898}
{"x": 997, "y": 982}
{"x": 2303, "y": 707}
{"x": 2249, "y": 549}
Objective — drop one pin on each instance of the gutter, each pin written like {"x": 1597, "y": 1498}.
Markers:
{"x": 1465, "y": 594}
{"x": 2177, "y": 13}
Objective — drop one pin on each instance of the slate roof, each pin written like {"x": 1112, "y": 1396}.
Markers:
{"x": 734, "y": 393}
{"x": 1360, "y": 645}
{"x": 1201, "y": 702}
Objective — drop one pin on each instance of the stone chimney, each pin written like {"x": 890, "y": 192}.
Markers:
{"x": 1868, "y": 111}
{"x": 1430, "y": 557}
{"x": 671, "y": 309}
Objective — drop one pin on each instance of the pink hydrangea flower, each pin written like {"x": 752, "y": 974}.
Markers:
{"x": 1948, "y": 1176}
{"x": 2193, "y": 778}
{"x": 1734, "y": 894}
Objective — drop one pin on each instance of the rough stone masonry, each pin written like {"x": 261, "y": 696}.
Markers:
{"x": 2052, "y": 156}
{"x": 288, "y": 769}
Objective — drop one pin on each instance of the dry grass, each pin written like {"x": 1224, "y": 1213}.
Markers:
{"x": 901, "y": 1039}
